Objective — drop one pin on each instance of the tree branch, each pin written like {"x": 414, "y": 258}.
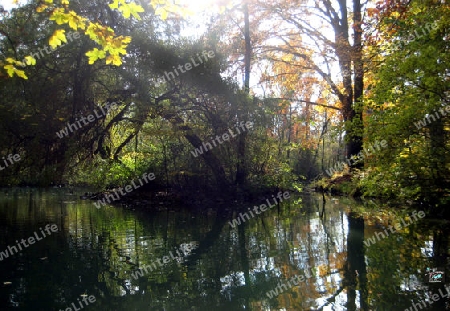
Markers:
{"x": 305, "y": 101}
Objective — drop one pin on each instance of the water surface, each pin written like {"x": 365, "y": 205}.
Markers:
{"x": 306, "y": 254}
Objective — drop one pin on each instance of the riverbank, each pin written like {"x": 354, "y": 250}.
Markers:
{"x": 157, "y": 197}
{"x": 357, "y": 184}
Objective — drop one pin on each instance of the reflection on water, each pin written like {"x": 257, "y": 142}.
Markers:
{"x": 304, "y": 254}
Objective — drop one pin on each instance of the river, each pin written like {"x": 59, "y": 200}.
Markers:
{"x": 58, "y": 252}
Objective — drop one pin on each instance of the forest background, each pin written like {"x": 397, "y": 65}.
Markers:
{"x": 321, "y": 81}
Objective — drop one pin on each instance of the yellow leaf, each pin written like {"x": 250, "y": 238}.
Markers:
{"x": 161, "y": 12}
{"x": 114, "y": 59}
{"x": 95, "y": 54}
{"x": 41, "y": 8}
{"x": 21, "y": 74}
{"x": 59, "y": 16}
{"x": 9, "y": 69}
{"x": 135, "y": 9}
{"x": 73, "y": 24}
{"x": 15, "y": 62}
{"x": 74, "y": 20}
{"x": 65, "y": 2}
{"x": 125, "y": 11}
{"x": 57, "y": 38}
{"x": 114, "y": 5}
{"x": 29, "y": 60}
{"x": 54, "y": 41}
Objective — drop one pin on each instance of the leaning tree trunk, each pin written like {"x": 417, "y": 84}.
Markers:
{"x": 211, "y": 160}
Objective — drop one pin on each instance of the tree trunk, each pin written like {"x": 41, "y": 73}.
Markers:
{"x": 352, "y": 91}
{"x": 241, "y": 170}
{"x": 354, "y": 146}
{"x": 211, "y": 160}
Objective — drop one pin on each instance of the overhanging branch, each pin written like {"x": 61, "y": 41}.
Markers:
{"x": 305, "y": 101}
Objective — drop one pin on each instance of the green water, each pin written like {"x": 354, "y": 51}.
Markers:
{"x": 307, "y": 254}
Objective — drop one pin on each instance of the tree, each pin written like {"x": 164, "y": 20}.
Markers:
{"x": 62, "y": 88}
{"x": 112, "y": 47}
{"x": 308, "y": 50}
{"x": 409, "y": 101}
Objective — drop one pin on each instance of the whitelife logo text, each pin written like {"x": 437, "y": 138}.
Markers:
{"x": 207, "y": 146}
{"x": 263, "y": 207}
{"x": 128, "y": 188}
{"x": 85, "y": 299}
{"x": 360, "y": 157}
{"x": 188, "y": 66}
{"x": 297, "y": 279}
{"x": 90, "y": 118}
{"x": 12, "y": 159}
{"x": 186, "y": 249}
{"x": 370, "y": 241}
{"x": 11, "y": 250}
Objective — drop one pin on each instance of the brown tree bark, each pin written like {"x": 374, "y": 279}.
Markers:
{"x": 348, "y": 55}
